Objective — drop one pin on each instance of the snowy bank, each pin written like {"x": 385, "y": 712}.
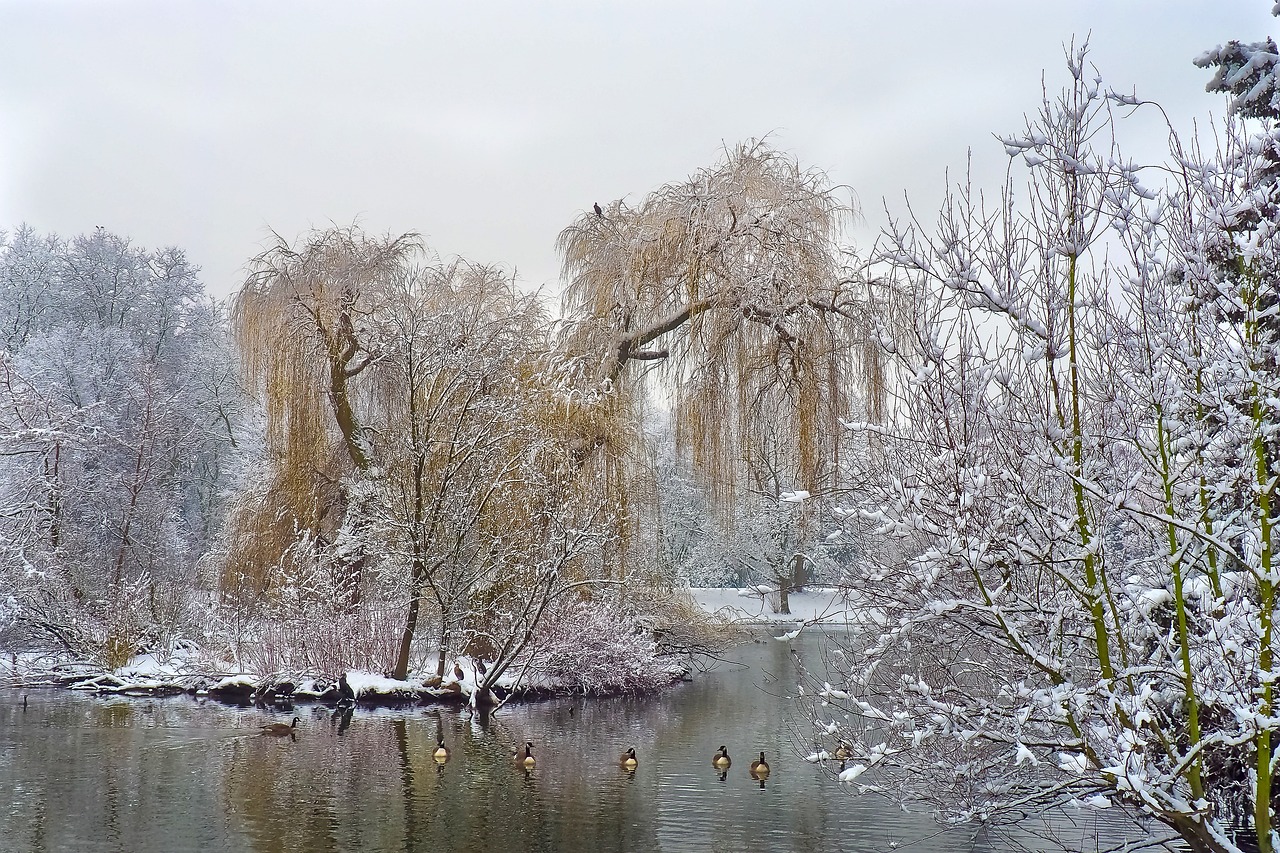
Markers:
{"x": 146, "y": 676}
{"x": 752, "y": 605}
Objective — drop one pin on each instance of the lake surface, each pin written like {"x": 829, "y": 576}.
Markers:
{"x": 169, "y": 775}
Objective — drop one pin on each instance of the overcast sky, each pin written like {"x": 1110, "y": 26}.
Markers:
{"x": 487, "y": 127}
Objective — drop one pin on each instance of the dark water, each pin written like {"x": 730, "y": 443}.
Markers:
{"x": 84, "y": 774}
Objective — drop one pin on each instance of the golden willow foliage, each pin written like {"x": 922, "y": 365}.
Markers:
{"x": 732, "y": 284}
{"x": 411, "y": 411}
{"x": 301, "y": 323}
{"x": 301, "y": 320}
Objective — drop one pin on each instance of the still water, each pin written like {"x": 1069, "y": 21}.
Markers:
{"x": 79, "y": 773}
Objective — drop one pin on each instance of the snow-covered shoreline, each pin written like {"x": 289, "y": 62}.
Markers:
{"x": 147, "y": 676}
{"x": 192, "y": 674}
{"x": 756, "y": 605}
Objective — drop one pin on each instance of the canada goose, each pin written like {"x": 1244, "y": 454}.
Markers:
{"x": 346, "y": 696}
{"x": 527, "y": 761}
{"x": 441, "y": 753}
{"x": 760, "y": 769}
{"x": 721, "y": 760}
{"x": 843, "y": 752}
{"x": 628, "y": 759}
{"x": 280, "y": 729}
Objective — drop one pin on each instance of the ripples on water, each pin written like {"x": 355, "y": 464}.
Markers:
{"x": 174, "y": 775}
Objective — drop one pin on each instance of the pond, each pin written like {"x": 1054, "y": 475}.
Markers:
{"x": 170, "y": 775}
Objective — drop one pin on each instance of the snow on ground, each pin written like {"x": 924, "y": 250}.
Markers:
{"x": 757, "y": 604}
{"x": 366, "y": 682}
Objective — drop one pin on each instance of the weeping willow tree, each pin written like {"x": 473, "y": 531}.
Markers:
{"x": 305, "y": 325}
{"x": 732, "y": 289}
{"x": 417, "y": 445}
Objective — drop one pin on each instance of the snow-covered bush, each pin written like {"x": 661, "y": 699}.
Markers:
{"x": 592, "y": 647}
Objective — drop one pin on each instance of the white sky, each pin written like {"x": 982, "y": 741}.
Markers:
{"x": 488, "y": 126}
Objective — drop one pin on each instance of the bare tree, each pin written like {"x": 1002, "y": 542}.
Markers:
{"x": 1081, "y": 486}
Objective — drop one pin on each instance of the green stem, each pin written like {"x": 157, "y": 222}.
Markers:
{"x": 1184, "y": 640}
{"x": 1091, "y": 574}
{"x": 1266, "y": 586}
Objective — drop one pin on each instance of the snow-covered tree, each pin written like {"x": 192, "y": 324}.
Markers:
{"x": 1082, "y": 491}
{"x": 119, "y": 405}
{"x": 732, "y": 292}
{"x": 421, "y": 451}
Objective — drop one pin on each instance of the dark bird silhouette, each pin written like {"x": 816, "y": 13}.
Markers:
{"x": 346, "y": 696}
{"x": 280, "y": 729}
{"x": 596, "y": 206}
{"x": 458, "y": 673}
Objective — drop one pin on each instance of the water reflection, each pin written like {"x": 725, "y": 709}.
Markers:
{"x": 180, "y": 775}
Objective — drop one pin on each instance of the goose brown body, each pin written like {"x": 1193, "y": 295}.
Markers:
{"x": 280, "y": 729}
{"x": 721, "y": 759}
{"x": 760, "y": 769}
{"x": 628, "y": 759}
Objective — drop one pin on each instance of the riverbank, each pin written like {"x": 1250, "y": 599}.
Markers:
{"x": 759, "y": 605}
{"x": 189, "y": 670}
{"x": 147, "y": 676}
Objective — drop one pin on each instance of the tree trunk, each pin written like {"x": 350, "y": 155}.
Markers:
{"x": 799, "y": 572}
{"x": 401, "y": 670}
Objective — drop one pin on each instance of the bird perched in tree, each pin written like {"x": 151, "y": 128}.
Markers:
{"x": 457, "y": 672}
{"x": 628, "y": 759}
{"x": 721, "y": 759}
{"x": 596, "y": 206}
{"x": 280, "y": 729}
